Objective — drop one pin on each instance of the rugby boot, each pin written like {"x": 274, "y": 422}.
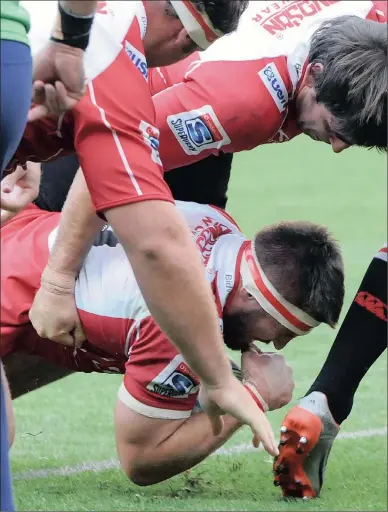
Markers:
{"x": 306, "y": 437}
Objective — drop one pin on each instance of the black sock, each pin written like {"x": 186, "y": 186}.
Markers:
{"x": 360, "y": 341}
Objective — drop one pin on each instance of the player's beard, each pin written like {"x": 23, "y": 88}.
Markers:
{"x": 236, "y": 330}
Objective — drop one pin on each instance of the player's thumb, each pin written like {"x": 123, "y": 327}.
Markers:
{"x": 37, "y": 112}
{"x": 78, "y": 335}
{"x": 217, "y": 423}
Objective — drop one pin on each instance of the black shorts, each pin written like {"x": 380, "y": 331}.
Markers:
{"x": 204, "y": 182}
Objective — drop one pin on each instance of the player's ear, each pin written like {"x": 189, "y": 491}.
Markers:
{"x": 311, "y": 72}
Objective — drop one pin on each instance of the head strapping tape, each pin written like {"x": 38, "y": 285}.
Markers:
{"x": 198, "y": 24}
{"x": 257, "y": 284}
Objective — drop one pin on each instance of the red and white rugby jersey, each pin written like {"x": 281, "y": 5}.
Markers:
{"x": 239, "y": 93}
{"x": 112, "y": 127}
{"x": 118, "y": 324}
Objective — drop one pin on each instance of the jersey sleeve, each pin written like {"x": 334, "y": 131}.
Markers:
{"x": 213, "y": 109}
{"x": 157, "y": 382}
{"x": 115, "y": 138}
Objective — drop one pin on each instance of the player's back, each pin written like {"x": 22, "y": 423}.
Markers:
{"x": 239, "y": 93}
{"x": 111, "y": 307}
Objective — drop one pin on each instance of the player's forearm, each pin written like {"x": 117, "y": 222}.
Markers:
{"x": 188, "y": 446}
{"x": 79, "y": 8}
{"x": 170, "y": 275}
{"x": 77, "y": 230}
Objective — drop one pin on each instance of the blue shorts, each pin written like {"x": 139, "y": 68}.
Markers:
{"x": 16, "y": 90}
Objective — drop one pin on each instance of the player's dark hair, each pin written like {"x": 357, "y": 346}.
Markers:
{"x": 224, "y": 14}
{"x": 304, "y": 263}
{"x": 353, "y": 82}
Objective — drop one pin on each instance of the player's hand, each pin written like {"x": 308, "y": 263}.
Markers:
{"x": 19, "y": 189}
{"x": 270, "y": 374}
{"x": 54, "y": 313}
{"x": 58, "y": 80}
{"x": 232, "y": 398}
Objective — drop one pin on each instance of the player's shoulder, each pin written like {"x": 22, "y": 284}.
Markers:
{"x": 204, "y": 216}
{"x": 118, "y": 25}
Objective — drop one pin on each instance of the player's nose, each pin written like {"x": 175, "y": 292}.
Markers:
{"x": 337, "y": 145}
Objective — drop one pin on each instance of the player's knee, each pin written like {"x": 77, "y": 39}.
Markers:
{"x": 136, "y": 476}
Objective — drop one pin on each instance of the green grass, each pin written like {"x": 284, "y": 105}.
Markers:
{"x": 71, "y": 421}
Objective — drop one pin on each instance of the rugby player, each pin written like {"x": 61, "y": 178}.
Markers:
{"x": 291, "y": 82}
{"x": 280, "y": 285}
{"x": 16, "y": 77}
{"x": 300, "y": 468}
{"x": 196, "y": 119}
{"x": 127, "y": 183}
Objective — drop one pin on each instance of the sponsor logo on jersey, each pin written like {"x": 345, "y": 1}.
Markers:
{"x": 151, "y": 137}
{"x": 281, "y": 16}
{"x": 198, "y": 130}
{"x": 175, "y": 381}
{"x": 137, "y": 58}
{"x": 206, "y": 234}
{"x": 275, "y": 85}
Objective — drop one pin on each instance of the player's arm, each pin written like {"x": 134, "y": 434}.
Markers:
{"x": 154, "y": 449}
{"x": 208, "y": 112}
{"x": 77, "y": 8}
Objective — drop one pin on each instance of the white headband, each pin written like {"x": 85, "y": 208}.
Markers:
{"x": 198, "y": 24}
{"x": 257, "y": 284}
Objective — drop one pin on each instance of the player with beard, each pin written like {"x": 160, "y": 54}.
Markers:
{"x": 274, "y": 288}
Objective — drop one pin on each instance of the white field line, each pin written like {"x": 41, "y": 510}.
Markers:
{"x": 96, "y": 467}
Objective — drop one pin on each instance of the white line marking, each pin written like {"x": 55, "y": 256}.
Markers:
{"x": 96, "y": 467}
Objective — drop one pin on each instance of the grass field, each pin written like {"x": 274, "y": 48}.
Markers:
{"x": 64, "y": 454}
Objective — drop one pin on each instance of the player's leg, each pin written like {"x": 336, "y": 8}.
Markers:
{"x": 27, "y": 372}
{"x": 15, "y": 88}
{"x": 6, "y": 501}
{"x": 312, "y": 426}
{"x": 15, "y": 100}
{"x": 204, "y": 182}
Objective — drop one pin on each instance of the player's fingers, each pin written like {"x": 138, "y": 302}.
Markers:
{"x": 217, "y": 424}
{"x": 66, "y": 339}
{"x": 38, "y": 92}
{"x": 262, "y": 429}
{"x": 52, "y": 103}
{"x": 78, "y": 336}
{"x": 36, "y": 113}
{"x": 256, "y": 441}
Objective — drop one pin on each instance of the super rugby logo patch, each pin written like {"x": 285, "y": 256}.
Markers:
{"x": 198, "y": 130}
{"x": 176, "y": 380}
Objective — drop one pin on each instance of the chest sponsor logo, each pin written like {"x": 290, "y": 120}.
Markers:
{"x": 137, "y": 58}
{"x": 272, "y": 80}
{"x": 198, "y": 130}
{"x": 281, "y": 16}
{"x": 175, "y": 381}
